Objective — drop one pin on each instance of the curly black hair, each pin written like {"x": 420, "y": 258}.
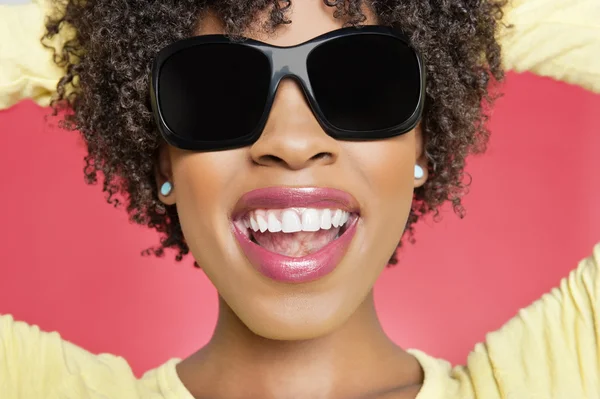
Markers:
{"x": 112, "y": 43}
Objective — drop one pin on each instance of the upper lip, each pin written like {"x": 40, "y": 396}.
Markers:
{"x": 295, "y": 197}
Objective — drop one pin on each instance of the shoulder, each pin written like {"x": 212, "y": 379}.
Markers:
{"x": 548, "y": 350}
{"x": 41, "y": 364}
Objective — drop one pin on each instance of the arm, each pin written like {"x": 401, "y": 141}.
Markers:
{"x": 551, "y": 349}
{"x": 554, "y": 38}
{"x": 26, "y": 67}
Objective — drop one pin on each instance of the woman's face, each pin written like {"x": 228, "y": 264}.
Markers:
{"x": 294, "y": 152}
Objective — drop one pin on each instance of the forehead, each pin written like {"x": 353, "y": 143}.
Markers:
{"x": 309, "y": 18}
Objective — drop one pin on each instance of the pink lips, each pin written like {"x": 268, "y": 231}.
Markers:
{"x": 296, "y": 269}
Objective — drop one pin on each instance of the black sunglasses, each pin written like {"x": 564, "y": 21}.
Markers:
{"x": 213, "y": 93}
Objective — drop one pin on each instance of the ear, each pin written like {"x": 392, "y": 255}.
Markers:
{"x": 421, "y": 158}
{"x": 163, "y": 173}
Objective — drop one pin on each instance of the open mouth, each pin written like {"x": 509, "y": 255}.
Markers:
{"x": 294, "y": 232}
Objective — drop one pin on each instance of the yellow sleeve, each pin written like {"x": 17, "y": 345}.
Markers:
{"x": 550, "y": 350}
{"x": 26, "y": 66}
{"x": 36, "y": 364}
{"x": 554, "y": 38}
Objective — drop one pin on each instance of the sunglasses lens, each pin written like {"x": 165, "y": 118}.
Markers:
{"x": 365, "y": 82}
{"x": 213, "y": 92}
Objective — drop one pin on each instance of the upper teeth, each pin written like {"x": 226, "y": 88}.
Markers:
{"x": 295, "y": 219}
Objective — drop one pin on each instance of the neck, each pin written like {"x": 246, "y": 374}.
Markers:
{"x": 356, "y": 359}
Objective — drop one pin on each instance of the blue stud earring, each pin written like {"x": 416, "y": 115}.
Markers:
{"x": 166, "y": 189}
{"x": 419, "y": 173}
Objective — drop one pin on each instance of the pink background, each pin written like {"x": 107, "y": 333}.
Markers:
{"x": 70, "y": 262}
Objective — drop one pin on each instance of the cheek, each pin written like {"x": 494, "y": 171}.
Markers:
{"x": 203, "y": 184}
{"x": 387, "y": 167}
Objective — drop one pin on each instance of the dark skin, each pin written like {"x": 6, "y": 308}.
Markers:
{"x": 355, "y": 361}
{"x": 320, "y": 339}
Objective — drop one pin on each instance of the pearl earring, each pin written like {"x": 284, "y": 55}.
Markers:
{"x": 419, "y": 173}
{"x": 166, "y": 189}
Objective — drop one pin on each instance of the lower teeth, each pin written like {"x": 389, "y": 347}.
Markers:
{"x": 299, "y": 245}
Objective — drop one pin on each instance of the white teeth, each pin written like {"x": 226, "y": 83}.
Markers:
{"x": 336, "y": 218}
{"x": 253, "y": 224}
{"x": 274, "y": 224}
{"x": 262, "y": 223}
{"x": 345, "y": 216}
{"x": 290, "y": 222}
{"x": 326, "y": 219}
{"x": 295, "y": 219}
{"x": 311, "y": 220}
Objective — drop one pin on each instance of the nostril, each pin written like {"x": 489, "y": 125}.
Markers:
{"x": 269, "y": 160}
{"x": 322, "y": 156}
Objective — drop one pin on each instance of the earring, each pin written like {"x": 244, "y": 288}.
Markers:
{"x": 166, "y": 189}
{"x": 419, "y": 173}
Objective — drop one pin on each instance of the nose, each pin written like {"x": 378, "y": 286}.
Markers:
{"x": 292, "y": 137}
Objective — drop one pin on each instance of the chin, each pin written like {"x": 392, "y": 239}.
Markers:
{"x": 293, "y": 329}
{"x": 295, "y": 316}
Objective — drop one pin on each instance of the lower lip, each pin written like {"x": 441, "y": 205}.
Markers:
{"x": 303, "y": 269}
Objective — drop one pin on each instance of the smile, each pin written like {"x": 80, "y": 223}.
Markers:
{"x": 295, "y": 235}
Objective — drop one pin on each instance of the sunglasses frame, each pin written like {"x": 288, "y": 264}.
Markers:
{"x": 285, "y": 62}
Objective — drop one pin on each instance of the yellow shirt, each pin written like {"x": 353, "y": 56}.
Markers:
{"x": 550, "y": 350}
